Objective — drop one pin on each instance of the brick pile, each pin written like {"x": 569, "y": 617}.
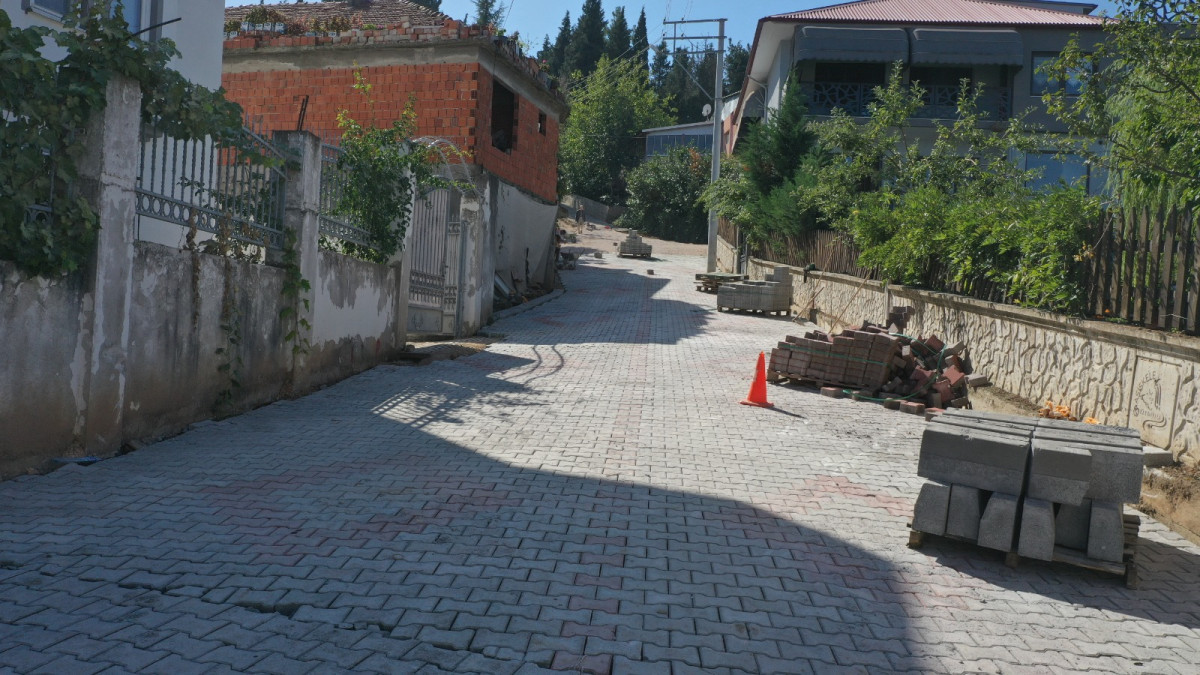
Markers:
{"x": 774, "y": 294}
{"x": 634, "y": 246}
{"x": 1044, "y": 489}
{"x": 915, "y": 375}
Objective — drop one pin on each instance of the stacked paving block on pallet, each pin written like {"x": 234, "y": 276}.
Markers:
{"x": 772, "y": 295}
{"x": 1029, "y": 486}
{"x": 633, "y": 246}
{"x": 856, "y": 359}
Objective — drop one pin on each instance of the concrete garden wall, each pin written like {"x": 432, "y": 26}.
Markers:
{"x": 1121, "y": 375}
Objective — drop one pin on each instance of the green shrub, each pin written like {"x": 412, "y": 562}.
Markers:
{"x": 664, "y": 197}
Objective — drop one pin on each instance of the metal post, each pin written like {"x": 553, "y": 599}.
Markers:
{"x": 718, "y": 142}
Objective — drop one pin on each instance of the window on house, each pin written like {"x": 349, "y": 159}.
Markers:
{"x": 504, "y": 118}
{"x": 1042, "y": 83}
{"x": 852, "y": 73}
{"x": 930, "y": 77}
{"x": 133, "y": 10}
{"x": 542, "y": 123}
{"x": 1069, "y": 170}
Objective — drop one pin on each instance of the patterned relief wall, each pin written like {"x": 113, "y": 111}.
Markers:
{"x": 1147, "y": 380}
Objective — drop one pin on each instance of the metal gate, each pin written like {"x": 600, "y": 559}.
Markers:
{"x": 435, "y": 264}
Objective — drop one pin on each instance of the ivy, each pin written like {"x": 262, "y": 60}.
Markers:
{"x": 47, "y": 105}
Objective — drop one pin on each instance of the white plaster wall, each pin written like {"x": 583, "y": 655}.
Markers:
{"x": 1143, "y": 379}
{"x": 198, "y": 35}
{"x": 351, "y": 299}
{"x": 524, "y": 224}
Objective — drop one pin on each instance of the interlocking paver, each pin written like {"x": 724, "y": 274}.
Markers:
{"x": 585, "y": 494}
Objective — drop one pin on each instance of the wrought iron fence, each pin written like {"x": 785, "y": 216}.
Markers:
{"x": 333, "y": 185}
{"x": 941, "y": 102}
{"x": 213, "y": 187}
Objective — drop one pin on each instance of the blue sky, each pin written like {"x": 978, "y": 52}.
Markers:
{"x": 534, "y": 19}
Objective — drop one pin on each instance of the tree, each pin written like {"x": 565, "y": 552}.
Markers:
{"x": 599, "y": 140}
{"x": 660, "y": 67}
{"x": 616, "y": 36}
{"x": 1140, "y": 90}
{"x": 774, "y": 149}
{"x": 556, "y": 59}
{"x": 488, "y": 13}
{"x": 641, "y": 37}
{"x": 587, "y": 41}
{"x": 435, "y": 5}
{"x": 737, "y": 62}
{"x": 664, "y": 196}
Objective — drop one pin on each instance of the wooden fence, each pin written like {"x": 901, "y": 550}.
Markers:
{"x": 1144, "y": 268}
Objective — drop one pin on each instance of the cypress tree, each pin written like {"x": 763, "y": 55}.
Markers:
{"x": 641, "y": 37}
{"x": 587, "y": 41}
{"x": 660, "y": 67}
{"x": 488, "y": 14}
{"x": 557, "y": 56}
{"x": 616, "y": 42}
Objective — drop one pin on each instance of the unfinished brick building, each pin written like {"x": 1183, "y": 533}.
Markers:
{"x": 470, "y": 87}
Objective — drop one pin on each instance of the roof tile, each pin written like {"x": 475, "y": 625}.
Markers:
{"x": 973, "y": 12}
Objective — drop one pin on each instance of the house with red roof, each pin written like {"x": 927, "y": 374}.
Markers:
{"x": 841, "y": 53}
{"x": 293, "y": 66}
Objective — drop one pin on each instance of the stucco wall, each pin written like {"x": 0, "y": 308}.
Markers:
{"x": 355, "y": 322}
{"x": 524, "y": 233}
{"x": 42, "y": 369}
{"x": 1147, "y": 380}
{"x": 175, "y": 329}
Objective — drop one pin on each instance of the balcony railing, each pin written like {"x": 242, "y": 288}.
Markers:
{"x": 941, "y": 101}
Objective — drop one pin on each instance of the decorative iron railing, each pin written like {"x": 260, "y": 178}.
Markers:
{"x": 213, "y": 187}
{"x": 333, "y": 184}
{"x": 941, "y": 101}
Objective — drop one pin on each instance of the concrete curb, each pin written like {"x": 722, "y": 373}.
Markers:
{"x": 524, "y": 307}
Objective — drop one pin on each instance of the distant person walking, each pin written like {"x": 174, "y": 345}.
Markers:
{"x": 579, "y": 217}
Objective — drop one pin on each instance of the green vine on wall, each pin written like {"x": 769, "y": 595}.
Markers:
{"x": 294, "y": 292}
{"x": 47, "y": 105}
{"x": 383, "y": 170}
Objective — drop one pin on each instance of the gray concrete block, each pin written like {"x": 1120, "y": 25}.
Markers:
{"x": 997, "y": 427}
{"x": 933, "y": 504}
{"x": 1037, "y": 529}
{"x": 970, "y": 474}
{"x": 1004, "y": 451}
{"x": 1059, "y": 472}
{"x": 1157, "y": 457}
{"x": 966, "y": 508}
{"x": 1106, "y": 532}
{"x": 1071, "y": 525}
{"x": 975, "y": 458}
{"x": 1067, "y": 425}
{"x": 999, "y": 521}
{"x": 993, "y": 417}
{"x": 1116, "y": 474}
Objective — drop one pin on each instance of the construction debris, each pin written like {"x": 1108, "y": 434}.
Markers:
{"x": 771, "y": 296}
{"x": 633, "y": 247}
{"x": 709, "y": 282}
{"x": 1045, "y": 489}
{"x": 879, "y": 363}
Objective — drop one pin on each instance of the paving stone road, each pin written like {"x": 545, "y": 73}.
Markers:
{"x": 585, "y": 496}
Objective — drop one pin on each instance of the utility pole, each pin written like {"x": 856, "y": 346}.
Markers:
{"x": 718, "y": 128}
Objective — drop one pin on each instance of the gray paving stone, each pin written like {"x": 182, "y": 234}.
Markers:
{"x": 932, "y": 509}
{"x": 964, "y": 511}
{"x": 585, "y": 475}
{"x": 1036, "y": 539}
{"x": 999, "y": 522}
{"x": 1106, "y": 532}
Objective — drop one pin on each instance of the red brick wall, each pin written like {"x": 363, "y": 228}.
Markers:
{"x": 453, "y": 101}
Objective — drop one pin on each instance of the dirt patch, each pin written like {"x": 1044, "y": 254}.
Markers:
{"x": 1172, "y": 496}
{"x": 603, "y": 239}
{"x": 994, "y": 399}
{"x": 424, "y": 353}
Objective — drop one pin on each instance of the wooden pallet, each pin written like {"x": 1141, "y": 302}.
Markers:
{"x": 1127, "y": 568}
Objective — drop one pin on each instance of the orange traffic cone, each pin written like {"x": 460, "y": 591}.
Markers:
{"x": 758, "y": 390}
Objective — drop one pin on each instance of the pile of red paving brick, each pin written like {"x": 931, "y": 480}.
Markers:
{"x": 917, "y": 375}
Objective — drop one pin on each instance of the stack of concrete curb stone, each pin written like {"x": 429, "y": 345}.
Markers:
{"x": 772, "y": 295}
{"x": 633, "y": 246}
{"x": 1038, "y": 488}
